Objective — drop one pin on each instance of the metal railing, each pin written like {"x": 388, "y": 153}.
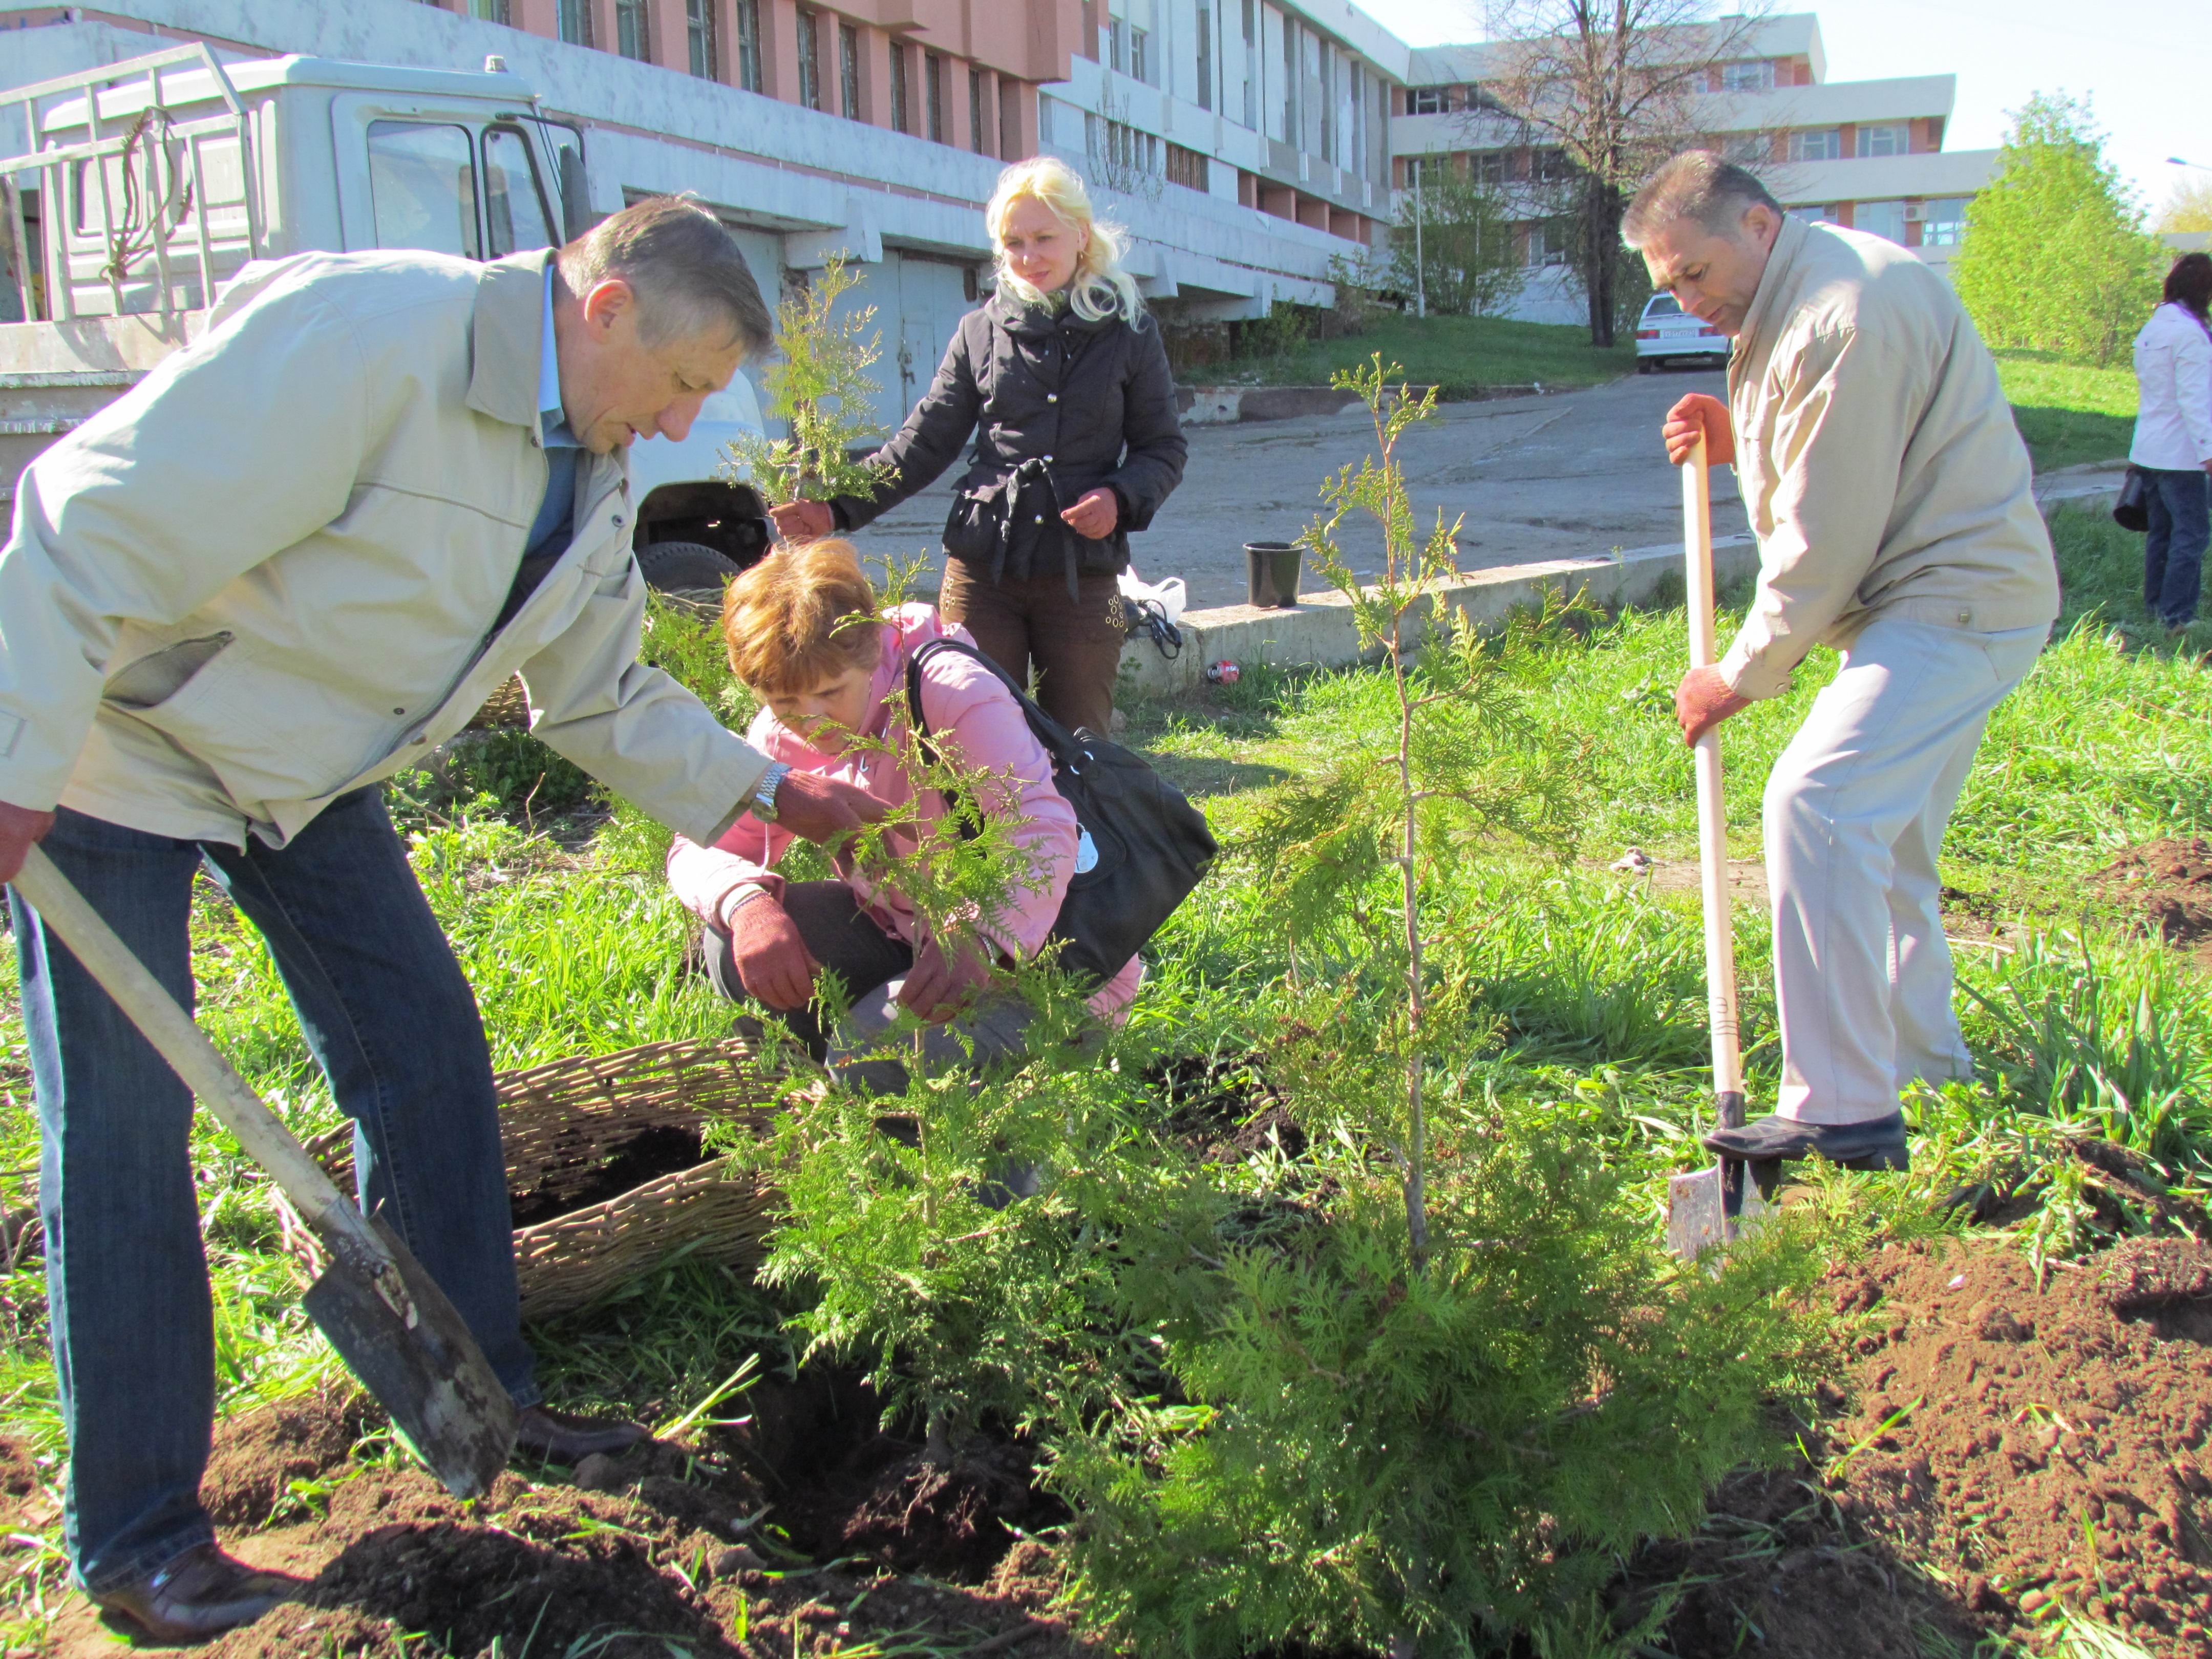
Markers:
{"x": 154, "y": 161}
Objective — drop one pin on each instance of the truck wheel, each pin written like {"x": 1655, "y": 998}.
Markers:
{"x": 687, "y": 567}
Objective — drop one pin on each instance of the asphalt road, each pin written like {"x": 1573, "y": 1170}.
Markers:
{"x": 1562, "y": 476}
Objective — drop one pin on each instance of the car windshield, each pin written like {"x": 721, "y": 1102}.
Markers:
{"x": 1662, "y": 304}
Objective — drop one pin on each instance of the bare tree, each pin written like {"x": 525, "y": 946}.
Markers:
{"x": 1611, "y": 88}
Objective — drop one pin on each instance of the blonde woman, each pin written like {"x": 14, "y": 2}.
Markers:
{"x": 1061, "y": 377}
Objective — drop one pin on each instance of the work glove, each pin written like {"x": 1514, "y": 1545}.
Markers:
{"x": 1695, "y": 414}
{"x": 824, "y": 810}
{"x": 941, "y": 983}
{"x": 773, "y": 961}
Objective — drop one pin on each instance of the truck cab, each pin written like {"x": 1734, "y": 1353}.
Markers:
{"x": 148, "y": 184}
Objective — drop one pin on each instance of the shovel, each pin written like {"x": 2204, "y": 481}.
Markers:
{"x": 1713, "y": 1205}
{"x": 385, "y": 1316}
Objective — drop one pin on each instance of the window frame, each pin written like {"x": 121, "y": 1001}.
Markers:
{"x": 545, "y": 208}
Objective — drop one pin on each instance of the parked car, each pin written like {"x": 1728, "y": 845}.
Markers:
{"x": 1667, "y": 334}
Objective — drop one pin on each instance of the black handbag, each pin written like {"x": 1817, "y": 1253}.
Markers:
{"x": 1143, "y": 847}
{"x": 2131, "y": 511}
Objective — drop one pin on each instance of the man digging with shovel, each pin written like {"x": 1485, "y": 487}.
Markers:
{"x": 293, "y": 560}
{"x": 1890, "y": 493}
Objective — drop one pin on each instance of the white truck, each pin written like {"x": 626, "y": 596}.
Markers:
{"x": 145, "y": 184}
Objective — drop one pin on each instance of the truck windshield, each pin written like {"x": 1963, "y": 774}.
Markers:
{"x": 512, "y": 201}
{"x": 422, "y": 179}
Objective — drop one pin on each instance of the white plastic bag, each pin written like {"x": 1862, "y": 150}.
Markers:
{"x": 1172, "y": 597}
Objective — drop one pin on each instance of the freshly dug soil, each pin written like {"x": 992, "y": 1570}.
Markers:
{"x": 805, "y": 1531}
{"x": 647, "y": 1156}
{"x": 2168, "y": 884}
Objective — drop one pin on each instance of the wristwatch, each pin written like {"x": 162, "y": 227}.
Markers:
{"x": 763, "y": 806}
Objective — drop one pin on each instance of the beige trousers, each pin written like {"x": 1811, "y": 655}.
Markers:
{"x": 1854, "y": 815}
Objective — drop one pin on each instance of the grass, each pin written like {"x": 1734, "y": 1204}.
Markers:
{"x": 1589, "y": 984}
{"x": 2070, "y": 415}
{"x": 1464, "y": 354}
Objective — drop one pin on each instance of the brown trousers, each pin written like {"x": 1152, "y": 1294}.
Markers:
{"x": 1076, "y": 644}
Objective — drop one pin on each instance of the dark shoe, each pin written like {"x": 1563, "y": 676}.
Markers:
{"x": 553, "y": 1437}
{"x": 199, "y": 1593}
{"x": 1877, "y": 1144}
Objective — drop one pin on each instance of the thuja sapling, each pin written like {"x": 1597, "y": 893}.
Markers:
{"x": 819, "y": 383}
{"x": 1474, "y": 759}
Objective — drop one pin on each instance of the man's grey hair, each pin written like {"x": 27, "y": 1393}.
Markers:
{"x": 685, "y": 268}
{"x": 1699, "y": 185}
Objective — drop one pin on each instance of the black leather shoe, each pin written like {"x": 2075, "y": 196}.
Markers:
{"x": 553, "y": 1437}
{"x": 197, "y": 1594}
{"x": 1877, "y": 1144}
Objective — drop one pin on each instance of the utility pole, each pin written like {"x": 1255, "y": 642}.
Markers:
{"x": 1420, "y": 265}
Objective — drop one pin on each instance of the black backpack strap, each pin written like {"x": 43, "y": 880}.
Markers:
{"x": 1060, "y": 744}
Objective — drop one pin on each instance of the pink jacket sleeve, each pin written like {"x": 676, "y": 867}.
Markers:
{"x": 708, "y": 879}
{"x": 971, "y": 712}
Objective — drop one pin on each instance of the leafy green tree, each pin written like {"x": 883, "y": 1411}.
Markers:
{"x": 2189, "y": 208}
{"x": 1467, "y": 260}
{"x": 2055, "y": 257}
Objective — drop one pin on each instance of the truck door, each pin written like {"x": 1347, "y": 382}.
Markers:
{"x": 479, "y": 189}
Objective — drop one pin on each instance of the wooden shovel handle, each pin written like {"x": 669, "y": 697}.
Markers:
{"x": 1713, "y": 826}
{"x": 63, "y": 910}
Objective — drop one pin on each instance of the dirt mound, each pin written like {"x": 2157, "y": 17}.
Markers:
{"x": 2168, "y": 884}
{"x": 807, "y": 1529}
{"x": 2040, "y": 1442}
{"x": 1226, "y": 1110}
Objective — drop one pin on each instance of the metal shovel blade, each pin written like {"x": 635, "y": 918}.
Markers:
{"x": 1717, "y": 1205}
{"x": 429, "y": 1370}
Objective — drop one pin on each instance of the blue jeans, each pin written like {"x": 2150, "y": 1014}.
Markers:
{"x": 394, "y": 1026}
{"x": 2173, "y": 552}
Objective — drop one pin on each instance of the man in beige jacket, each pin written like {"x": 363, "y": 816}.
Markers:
{"x": 290, "y": 563}
{"x": 1890, "y": 493}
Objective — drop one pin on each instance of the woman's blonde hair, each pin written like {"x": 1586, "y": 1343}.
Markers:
{"x": 1100, "y": 288}
{"x": 802, "y": 617}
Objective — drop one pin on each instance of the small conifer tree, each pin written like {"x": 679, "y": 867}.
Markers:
{"x": 820, "y": 384}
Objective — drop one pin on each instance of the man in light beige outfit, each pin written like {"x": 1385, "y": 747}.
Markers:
{"x": 290, "y": 563}
{"x": 1890, "y": 493}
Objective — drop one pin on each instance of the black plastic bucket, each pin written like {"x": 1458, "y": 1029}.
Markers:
{"x": 1270, "y": 573}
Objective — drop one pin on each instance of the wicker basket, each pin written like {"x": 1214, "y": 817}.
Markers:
{"x": 509, "y": 706}
{"x": 562, "y": 1123}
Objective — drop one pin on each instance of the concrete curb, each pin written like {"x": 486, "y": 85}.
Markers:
{"x": 1318, "y": 630}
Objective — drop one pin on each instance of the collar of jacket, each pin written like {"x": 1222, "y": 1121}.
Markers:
{"x": 506, "y": 335}
{"x": 1764, "y": 318}
{"x": 1034, "y": 322}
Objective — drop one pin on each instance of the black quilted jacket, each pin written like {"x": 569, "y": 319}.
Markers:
{"x": 1058, "y": 407}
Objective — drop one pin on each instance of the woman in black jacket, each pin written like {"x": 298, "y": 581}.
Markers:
{"x": 1063, "y": 379}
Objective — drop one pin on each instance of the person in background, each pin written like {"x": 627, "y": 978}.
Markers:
{"x": 1891, "y": 496}
{"x": 2172, "y": 446}
{"x": 802, "y": 635}
{"x": 1064, "y": 379}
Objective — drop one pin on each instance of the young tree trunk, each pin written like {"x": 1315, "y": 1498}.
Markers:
{"x": 1600, "y": 215}
{"x": 1417, "y": 1206}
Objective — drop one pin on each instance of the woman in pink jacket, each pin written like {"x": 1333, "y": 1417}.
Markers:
{"x": 795, "y": 637}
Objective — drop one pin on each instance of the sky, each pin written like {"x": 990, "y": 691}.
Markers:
{"x": 2146, "y": 65}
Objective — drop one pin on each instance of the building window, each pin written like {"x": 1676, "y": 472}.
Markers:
{"x": 1291, "y": 135}
{"x": 901, "y": 102}
{"x": 849, "y": 70}
{"x": 1889, "y": 139}
{"x": 699, "y": 35}
{"x": 1757, "y": 75}
{"x": 1883, "y": 219}
{"x": 1816, "y": 145}
{"x": 1251, "y": 62}
{"x": 630, "y": 37}
{"x": 1943, "y": 222}
{"x": 932, "y": 81}
{"x": 1140, "y": 56}
{"x": 810, "y": 57}
{"x": 491, "y": 11}
{"x": 1547, "y": 244}
{"x": 1130, "y": 149}
{"x": 978, "y": 139}
{"x": 1187, "y": 168}
{"x": 1207, "y": 70}
{"x": 574, "y": 22}
{"x": 1552, "y": 167}
{"x": 1425, "y": 172}
{"x": 1010, "y": 120}
{"x": 1488, "y": 167}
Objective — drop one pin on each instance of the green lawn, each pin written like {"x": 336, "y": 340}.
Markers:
{"x": 2069, "y": 414}
{"x": 1463, "y": 355}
